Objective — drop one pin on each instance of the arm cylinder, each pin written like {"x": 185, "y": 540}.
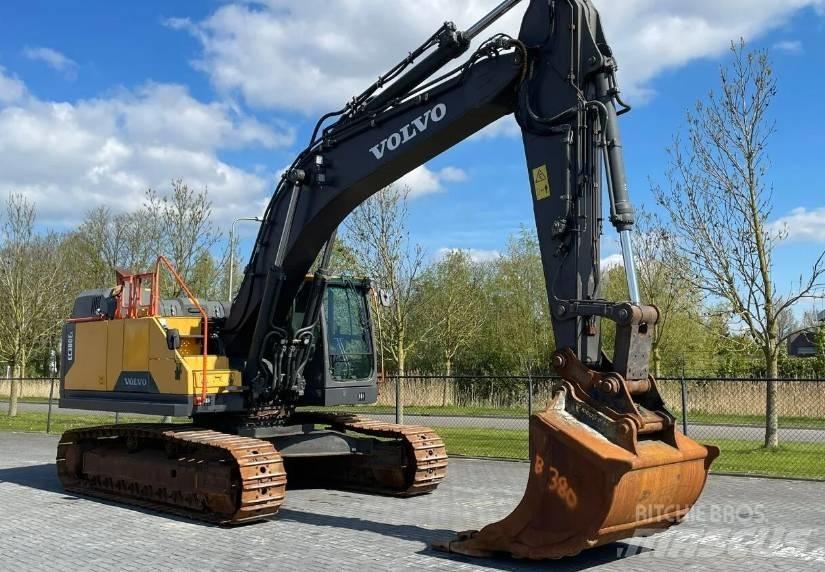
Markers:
{"x": 451, "y": 44}
{"x": 622, "y": 214}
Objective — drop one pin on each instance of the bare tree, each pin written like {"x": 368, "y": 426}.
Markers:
{"x": 33, "y": 290}
{"x": 812, "y": 318}
{"x": 719, "y": 202}
{"x": 377, "y": 236}
{"x": 178, "y": 225}
{"x": 106, "y": 241}
{"x": 186, "y": 235}
{"x": 661, "y": 281}
{"x": 786, "y": 323}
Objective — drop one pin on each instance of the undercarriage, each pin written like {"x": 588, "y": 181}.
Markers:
{"x": 225, "y": 478}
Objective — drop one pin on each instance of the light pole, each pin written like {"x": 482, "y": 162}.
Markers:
{"x": 232, "y": 251}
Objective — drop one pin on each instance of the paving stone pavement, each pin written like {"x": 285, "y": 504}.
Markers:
{"x": 739, "y": 524}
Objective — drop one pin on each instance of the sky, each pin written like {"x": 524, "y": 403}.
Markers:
{"x": 100, "y": 101}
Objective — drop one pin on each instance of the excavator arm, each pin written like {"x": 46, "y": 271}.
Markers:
{"x": 557, "y": 78}
{"x": 605, "y": 454}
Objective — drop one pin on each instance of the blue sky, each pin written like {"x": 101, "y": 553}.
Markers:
{"x": 100, "y": 100}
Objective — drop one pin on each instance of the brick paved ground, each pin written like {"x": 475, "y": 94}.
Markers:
{"x": 740, "y": 524}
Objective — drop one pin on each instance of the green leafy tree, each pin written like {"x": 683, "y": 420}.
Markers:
{"x": 454, "y": 290}
{"x": 517, "y": 333}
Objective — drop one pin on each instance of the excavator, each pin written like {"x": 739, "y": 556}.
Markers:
{"x": 607, "y": 461}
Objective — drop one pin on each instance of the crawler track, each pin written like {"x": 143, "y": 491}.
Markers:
{"x": 223, "y": 478}
{"x": 407, "y": 460}
{"x": 182, "y": 469}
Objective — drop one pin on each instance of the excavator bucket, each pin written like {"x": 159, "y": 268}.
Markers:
{"x": 594, "y": 480}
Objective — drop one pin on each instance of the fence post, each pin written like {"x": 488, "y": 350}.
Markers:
{"x": 49, "y": 413}
{"x": 684, "y": 403}
{"x": 529, "y": 395}
{"x": 455, "y": 391}
{"x": 399, "y": 403}
{"x": 117, "y": 417}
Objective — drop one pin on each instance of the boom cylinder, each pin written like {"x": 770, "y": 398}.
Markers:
{"x": 451, "y": 45}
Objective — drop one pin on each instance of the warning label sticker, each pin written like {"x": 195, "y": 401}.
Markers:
{"x": 541, "y": 183}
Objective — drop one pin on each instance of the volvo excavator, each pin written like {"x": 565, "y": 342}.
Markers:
{"x": 606, "y": 459}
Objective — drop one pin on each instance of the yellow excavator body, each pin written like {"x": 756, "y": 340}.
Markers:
{"x": 127, "y": 350}
{"x": 116, "y": 355}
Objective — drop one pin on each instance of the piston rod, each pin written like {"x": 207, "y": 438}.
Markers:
{"x": 626, "y": 238}
{"x": 487, "y": 20}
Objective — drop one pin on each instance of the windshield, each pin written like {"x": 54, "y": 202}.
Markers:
{"x": 348, "y": 333}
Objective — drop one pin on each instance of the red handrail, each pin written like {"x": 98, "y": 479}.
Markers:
{"x": 129, "y": 306}
{"x": 86, "y": 319}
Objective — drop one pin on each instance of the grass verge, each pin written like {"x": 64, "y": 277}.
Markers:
{"x": 805, "y": 460}
{"x": 36, "y": 422}
{"x": 473, "y": 442}
{"x": 696, "y": 418}
{"x": 447, "y": 411}
{"x": 754, "y": 420}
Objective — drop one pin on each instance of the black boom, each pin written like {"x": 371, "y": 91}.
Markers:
{"x": 557, "y": 78}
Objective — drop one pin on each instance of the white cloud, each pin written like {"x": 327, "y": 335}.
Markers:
{"x": 650, "y": 36}
{"x": 53, "y": 59}
{"x": 453, "y": 175}
{"x": 11, "y": 88}
{"x": 70, "y": 157}
{"x": 314, "y": 55}
{"x": 167, "y": 114}
{"x": 475, "y": 254}
{"x": 424, "y": 181}
{"x": 611, "y": 261}
{"x": 504, "y": 127}
{"x": 801, "y": 225}
{"x": 793, "y": 47}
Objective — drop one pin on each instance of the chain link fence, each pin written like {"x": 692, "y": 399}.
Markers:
{"x": 487, "y": 416}
{"x": 38, "y": 410}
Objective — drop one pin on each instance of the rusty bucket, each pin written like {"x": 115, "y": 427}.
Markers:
{"x": 595, "y": 477}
